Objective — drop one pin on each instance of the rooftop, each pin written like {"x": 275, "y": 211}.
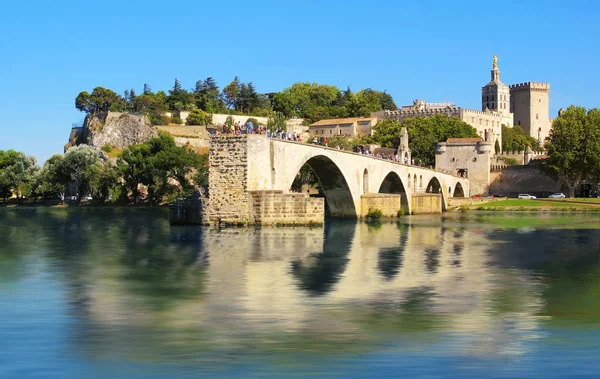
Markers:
{"x": 337, "y": 121}
{"x": 464, "y": 140}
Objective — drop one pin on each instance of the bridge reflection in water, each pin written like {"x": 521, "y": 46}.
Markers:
{"x": 301, "y": 288}
{"x": 122, "y": 286}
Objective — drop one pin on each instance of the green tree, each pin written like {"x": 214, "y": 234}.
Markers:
{"x": 180, "y": 99}
{"x": 207, "y": 96}
{"x": 53, "y": 178}
{"x": 423, "y": 134}
{"x": 514, "y": 139}
{"x": 17, "y": 174}
{"x": 198, "y": 117}
{"x": 154, "y": 164}
{"x": 104, "y": 180}
{"x": 78, "y": 165}
{"x": 574, "y": 147}
{"x": 277, "y": 121}
{"x": 101, "y": 100}
{"x": 230, "y": 93}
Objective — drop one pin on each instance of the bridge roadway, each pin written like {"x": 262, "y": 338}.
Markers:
{"x": 345, "y": 176}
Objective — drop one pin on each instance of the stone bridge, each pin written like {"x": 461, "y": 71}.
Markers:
{"x": 245, "y": 170}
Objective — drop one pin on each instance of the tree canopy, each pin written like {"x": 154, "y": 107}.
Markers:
{"x": 514, "y": 139}
{"x": 423, "y": 134}
{"x": 311, "y": 101}
{"x": 574, "y": 147}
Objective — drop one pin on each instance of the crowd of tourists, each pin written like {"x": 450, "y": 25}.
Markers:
{"x": 249, "y": 127}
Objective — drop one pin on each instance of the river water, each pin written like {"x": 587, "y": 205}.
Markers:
{"x": 108, "y": 293}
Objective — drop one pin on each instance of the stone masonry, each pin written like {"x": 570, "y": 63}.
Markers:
{"x": 228, "y": 190}
{"x": 232, "y": 201}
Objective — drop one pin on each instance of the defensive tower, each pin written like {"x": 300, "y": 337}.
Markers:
{"x": 529, "y": 105}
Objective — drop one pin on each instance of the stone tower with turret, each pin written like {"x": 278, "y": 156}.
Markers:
{"x": 403, "y": 149}
{"x": 495, "y": 96}
{"x": 529, "y": 105}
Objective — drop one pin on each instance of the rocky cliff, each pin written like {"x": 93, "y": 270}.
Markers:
{"x": 117, "y": 130}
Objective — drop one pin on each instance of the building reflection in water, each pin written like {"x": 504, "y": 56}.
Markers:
{"x": 137, "y": 286}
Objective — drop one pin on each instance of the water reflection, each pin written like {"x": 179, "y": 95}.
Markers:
{"x": 137, "y": 289}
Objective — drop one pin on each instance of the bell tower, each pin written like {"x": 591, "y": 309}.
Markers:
{"x": 495, "y": 95}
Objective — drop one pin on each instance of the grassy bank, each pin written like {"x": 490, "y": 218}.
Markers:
{"x": 561, "y": 205}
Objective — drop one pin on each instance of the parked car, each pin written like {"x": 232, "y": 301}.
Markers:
{"x": 526, "y": 196}
{"x": 557, "y": 196}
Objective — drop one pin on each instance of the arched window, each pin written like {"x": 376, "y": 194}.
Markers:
{"x": 365, "y": 181}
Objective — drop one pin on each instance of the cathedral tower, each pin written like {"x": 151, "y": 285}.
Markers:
{"x": 495, "y": 96}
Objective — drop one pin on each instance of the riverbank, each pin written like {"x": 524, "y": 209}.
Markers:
{"x": 537, "y": 205}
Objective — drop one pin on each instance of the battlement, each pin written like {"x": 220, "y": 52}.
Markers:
{"x": 426, "y": 112}
{"x": 484, "y": 113}
{"x": 530, "y": 86}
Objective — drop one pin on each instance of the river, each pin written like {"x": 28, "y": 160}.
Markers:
{"x": 108, "y": 293}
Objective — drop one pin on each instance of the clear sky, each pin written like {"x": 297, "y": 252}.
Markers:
{"x": 435, "y": 50}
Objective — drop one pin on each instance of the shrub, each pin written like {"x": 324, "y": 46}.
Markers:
{"x": 401, "y": 212}
{"x": 229, "y": 121}
{"x": 374, "y": 214}
{"x": 199, "y": 117}
{"x": 464, "y": 208}
{"x": 511, "y": 161}
{"x": 176, "y": 120}
{"x": 106, "y": 148}
{"x": 159, "y": 119}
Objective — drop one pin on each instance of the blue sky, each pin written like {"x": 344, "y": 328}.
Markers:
{"x": 436, "y": 50}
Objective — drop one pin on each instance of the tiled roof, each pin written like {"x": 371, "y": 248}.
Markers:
{"x": 464, "y": 140}
{"x": 337, "y": 121}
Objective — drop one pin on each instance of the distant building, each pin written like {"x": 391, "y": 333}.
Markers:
{"x": 524, "y": 104}
{"x": 466, "y": 157}
{"x": 347, "y": 127}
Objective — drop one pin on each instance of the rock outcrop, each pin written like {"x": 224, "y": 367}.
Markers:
{"x": 117, "y": 130}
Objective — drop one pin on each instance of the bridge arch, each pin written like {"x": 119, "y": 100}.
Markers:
{"x": 434, "y": 186}
{"x": 458, "y": 190}
{"x": 334, "y": 186}
{"x": 394, "y": 185}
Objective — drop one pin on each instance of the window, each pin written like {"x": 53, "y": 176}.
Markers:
{"x": 487, "y": 122}
{"x": 330, "y": 132}
{"x": 519, "y": 122}
{"x": 492, "y": 97}
{"x": 537, "y": 116}
{"x": 479, "y": 121}
{"x": 472, "y": 120}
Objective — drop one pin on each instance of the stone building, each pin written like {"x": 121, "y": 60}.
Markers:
{"x": 524, "y": 104}
{"x": 466, "y": 157}
{"x": 529, "y": 103}
{"x": 487, "y": 123}
{"x": 347, "y": 127}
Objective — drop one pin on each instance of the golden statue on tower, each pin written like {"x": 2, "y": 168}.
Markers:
{"x": 495, "y": 61}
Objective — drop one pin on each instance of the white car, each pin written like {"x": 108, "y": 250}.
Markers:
{"x": 557, "y": 196}
{"x": 526, "y": 196}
